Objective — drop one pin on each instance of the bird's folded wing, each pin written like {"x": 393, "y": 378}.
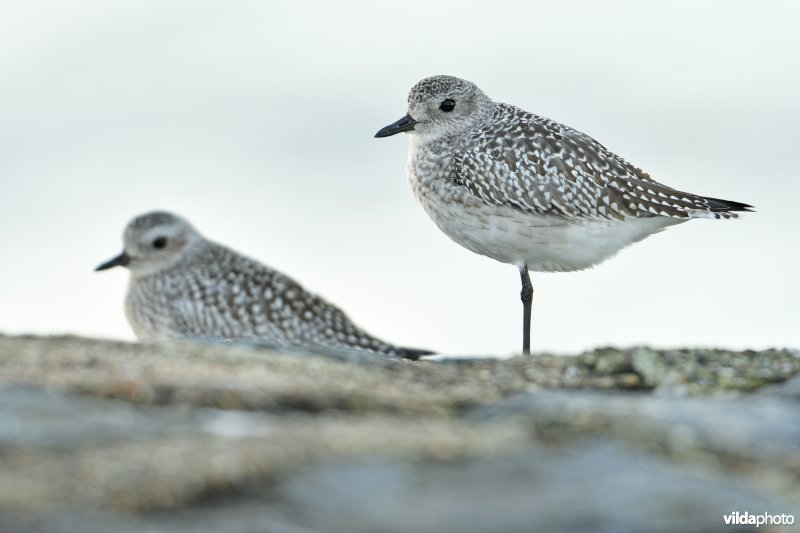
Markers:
{"x": 542, "y": 167}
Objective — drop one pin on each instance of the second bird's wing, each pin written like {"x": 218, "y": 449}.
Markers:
{"x": 540, "y": 166}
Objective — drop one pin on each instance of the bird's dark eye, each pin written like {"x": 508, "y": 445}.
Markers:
{"x": 160, "y": 242}
{"x": 447, "y": 105}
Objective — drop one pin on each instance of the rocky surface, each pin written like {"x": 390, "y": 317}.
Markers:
{"x": 100, "y": 435}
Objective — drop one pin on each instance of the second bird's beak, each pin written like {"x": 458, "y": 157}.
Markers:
{"x": 404, "y": 124}
{"x": 121, "y": 260}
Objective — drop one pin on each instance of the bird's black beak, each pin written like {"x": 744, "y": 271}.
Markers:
{"x": 121, "y": 260}
{"x": 404, "y": 124}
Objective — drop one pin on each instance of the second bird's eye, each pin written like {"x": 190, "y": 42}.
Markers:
{"x": 447, "y": 105}
{"x": 160, "y": 242}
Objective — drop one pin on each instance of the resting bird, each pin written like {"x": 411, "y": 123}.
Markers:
{"x": 526, "y": 190}
{"x": 183, "y": 286}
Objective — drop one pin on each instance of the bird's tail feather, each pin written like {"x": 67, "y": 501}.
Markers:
{"x": 717, "y": 205}
{"x": 412, "y": 353}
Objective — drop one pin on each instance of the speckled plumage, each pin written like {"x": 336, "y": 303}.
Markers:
{"x": 524, "y": 189}
{"x": 194, "y": 288}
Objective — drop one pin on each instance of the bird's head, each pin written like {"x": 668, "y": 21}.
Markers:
{"x": 154, "y": 242}
{"x": 441, "y": 106}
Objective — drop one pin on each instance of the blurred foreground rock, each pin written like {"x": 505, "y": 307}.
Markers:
{"x": 99, "y": 436}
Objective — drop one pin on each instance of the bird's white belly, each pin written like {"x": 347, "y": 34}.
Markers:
{"x": 544, "y": 243}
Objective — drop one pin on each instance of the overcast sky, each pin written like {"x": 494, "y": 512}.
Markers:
{"x": 255, "y": 120}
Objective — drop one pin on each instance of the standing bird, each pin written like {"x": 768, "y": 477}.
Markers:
{"x": 184, "y": 286}
{"x": 526, "y": 190}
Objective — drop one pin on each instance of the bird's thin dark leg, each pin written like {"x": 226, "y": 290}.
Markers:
{"x": 526, "y": 295}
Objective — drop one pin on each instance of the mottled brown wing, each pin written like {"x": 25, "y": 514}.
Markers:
{"x": 540, "y": 166}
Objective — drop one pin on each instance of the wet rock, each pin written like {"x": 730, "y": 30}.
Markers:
{"x": 756, "y": 436}
{"x": 60, "y": 450}
{"x": 100, "y": 435}
{"x": 700, "y": 371}
{"x": 787, "y": 389}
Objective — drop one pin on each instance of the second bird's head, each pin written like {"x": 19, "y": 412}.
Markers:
{"x": 441, "y": 106}
{"x": 154, "y": 242}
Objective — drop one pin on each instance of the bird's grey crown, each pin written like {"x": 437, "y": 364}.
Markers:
{"x": 153, "y": 219}
{"x": 441, "y": 85}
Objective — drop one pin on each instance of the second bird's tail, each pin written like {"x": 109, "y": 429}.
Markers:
{"x": 412, "y": 353}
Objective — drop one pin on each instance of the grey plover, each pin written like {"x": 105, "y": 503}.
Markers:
{"x": 185, "y": 286}
{"x": 526, "y": 190}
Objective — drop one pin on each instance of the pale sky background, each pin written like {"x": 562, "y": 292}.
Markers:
{"x": 255, "y": 120}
